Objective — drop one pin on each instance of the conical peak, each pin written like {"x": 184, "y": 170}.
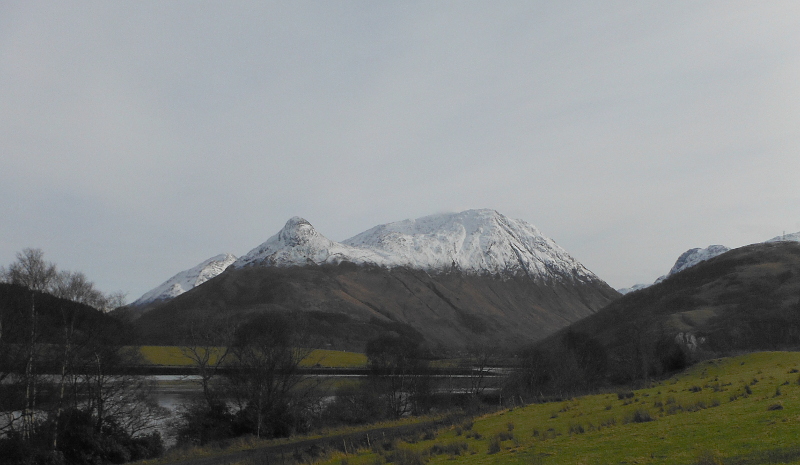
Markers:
{"x": 297, "y": 231}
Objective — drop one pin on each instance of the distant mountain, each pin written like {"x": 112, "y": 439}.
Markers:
{"x": 793, "y": 237}
{"x": 186, "y": 280}
{"x": 686, "y": 260}
{"x": 451, "y": 279}
{"x": 694, "y": 256}
{"x": 635, "y": 287}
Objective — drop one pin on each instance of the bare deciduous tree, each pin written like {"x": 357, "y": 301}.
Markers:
{"x": 33, "y": 272}
{"x": 208, "y": 349}
{"x": 265, "y": 376}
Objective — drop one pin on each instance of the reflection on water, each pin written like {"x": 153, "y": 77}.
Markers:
{"x": 171, "y": 391}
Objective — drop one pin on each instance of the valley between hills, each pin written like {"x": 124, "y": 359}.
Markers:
{"x": 465, "y": 337}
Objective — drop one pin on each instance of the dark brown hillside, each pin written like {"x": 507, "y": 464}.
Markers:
{"x": 745, "y": 299}
{"x": 346, "y": 305}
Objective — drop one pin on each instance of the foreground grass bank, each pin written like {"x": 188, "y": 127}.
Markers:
{"x": 739, "y": 410}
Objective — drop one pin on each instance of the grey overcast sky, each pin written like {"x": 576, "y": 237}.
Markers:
{"x": 140, "y": 138}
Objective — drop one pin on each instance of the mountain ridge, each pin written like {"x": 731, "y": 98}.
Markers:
{"x": 186, "y": 280}
{"x": 694, "y": 256}
{"x": 473, "y": 241}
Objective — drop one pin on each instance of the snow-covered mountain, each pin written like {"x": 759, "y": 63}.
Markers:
{"x": 635, "y": 287}
{"x": 187, "y": 280}
{"x": 482, "y": 242}
{"x": 686, "y": 260}
{"x": 692, "y": 257}
{"x": 786, "y": 237}
{"x": 453, "y": 278}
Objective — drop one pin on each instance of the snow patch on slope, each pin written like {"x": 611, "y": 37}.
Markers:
{"x": 187, "y": 280}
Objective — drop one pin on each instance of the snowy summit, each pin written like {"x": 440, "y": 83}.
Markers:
{"x": 474, "y": 242}
{"x": 298, "y": 244}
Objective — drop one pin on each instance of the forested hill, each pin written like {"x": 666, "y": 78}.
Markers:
{"x": 53, "y": 316}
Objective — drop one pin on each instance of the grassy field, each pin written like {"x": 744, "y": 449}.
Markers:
{"x": 743, "y": 410}
{"x": 173, "y": 356}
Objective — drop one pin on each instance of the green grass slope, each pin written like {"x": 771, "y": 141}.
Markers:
{"x": 738, "y": 410}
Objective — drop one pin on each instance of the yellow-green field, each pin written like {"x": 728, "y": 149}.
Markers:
{"x": 744, "y": 409}
{"x": 174, "y": 356}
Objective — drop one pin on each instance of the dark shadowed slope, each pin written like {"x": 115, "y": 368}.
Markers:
{"x": 345, "y": 305}
{"x": 744, "y": 299}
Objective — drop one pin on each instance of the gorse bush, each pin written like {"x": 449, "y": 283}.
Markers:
{"x": 576, "y": 428}
{"x": 453, "y": 448}
{"x": 639, "y": 416}
{"x": 494, "y": 445}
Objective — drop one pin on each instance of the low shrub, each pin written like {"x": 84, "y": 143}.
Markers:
{"x": 672, "y": 409}
{"x": 494, "y": 445}
{"x": 639, "y": 416}
{"x": 609, "y": 422}
{"x": 576, "y": 428}
{"x": 452, "y": 449}
{"x": 474, "y": 435}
